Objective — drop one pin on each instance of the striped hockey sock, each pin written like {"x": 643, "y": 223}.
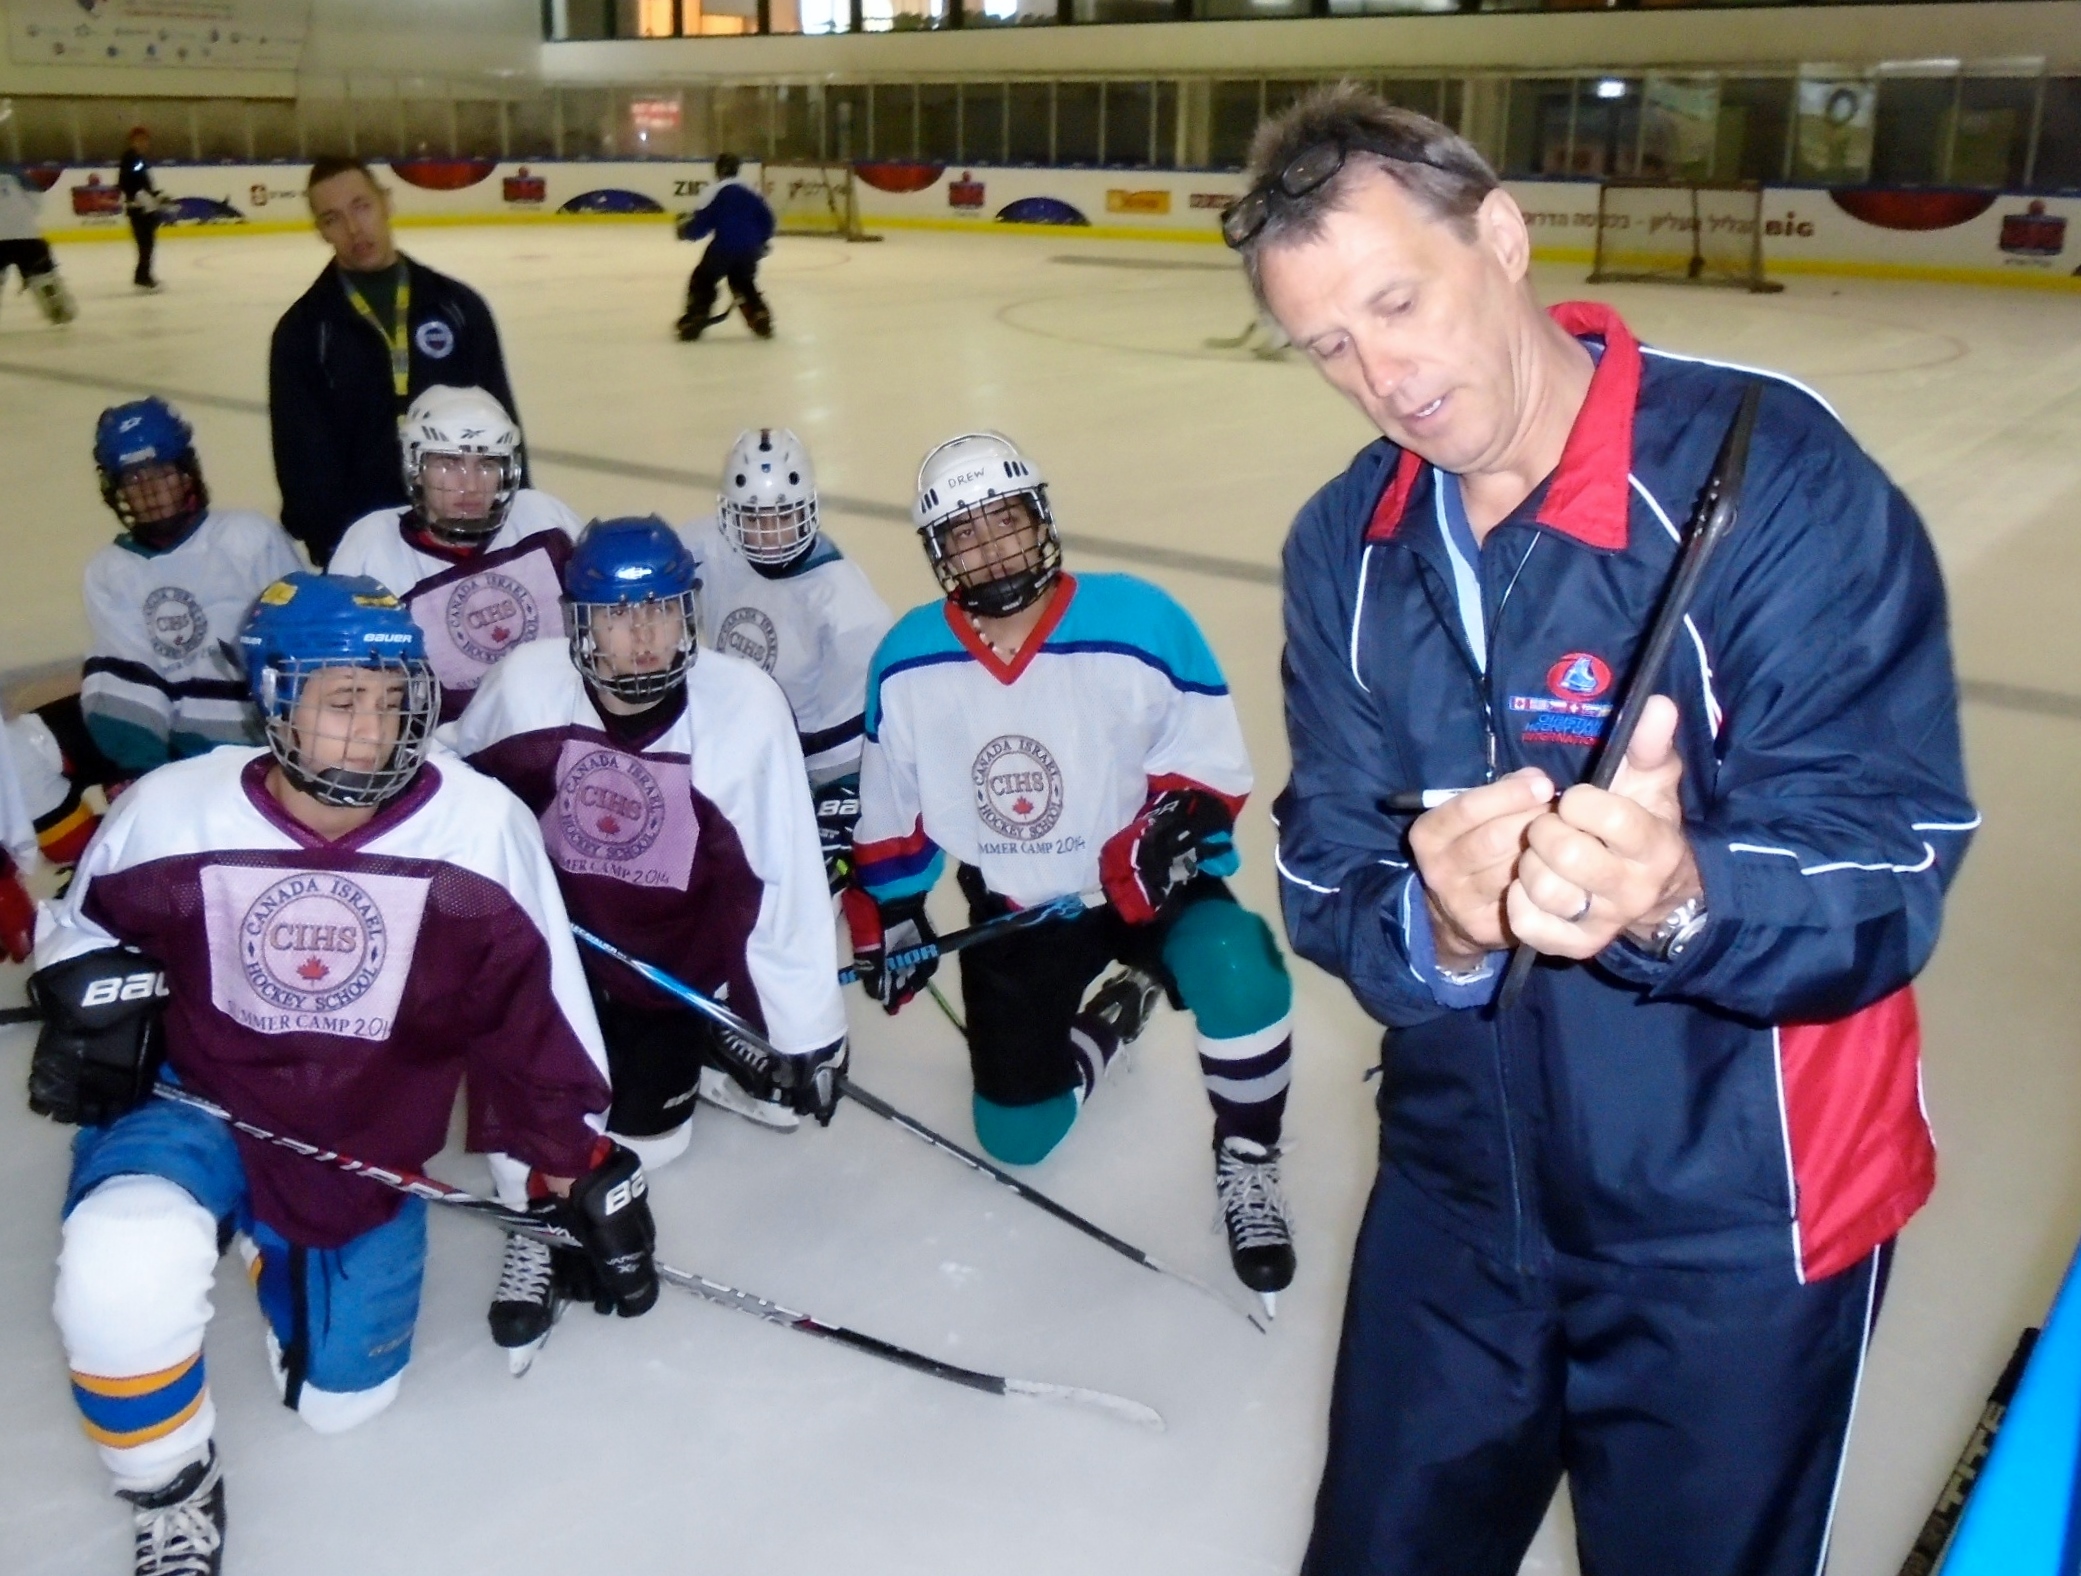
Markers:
{"x": 1247, "y": 1079}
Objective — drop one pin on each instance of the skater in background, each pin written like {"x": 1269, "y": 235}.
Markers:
{"x": 740, "y": 224}
{"x": 373, "y": 332}
{"x": 142, "y": 203}
{"x": 1635, "y": 1228}
{"x": 1058, "y": 734}
{"x": 285, "y": 927}
{"x": 477, "y": 557}
{"x": 777, "y": 592}
{"x": 23, "y": 248}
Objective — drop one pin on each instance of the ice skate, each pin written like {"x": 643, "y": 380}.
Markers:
{"x": 719, "y": 1089}
{"x": 180, "y": 1526}
{"x": 525, "y": 1307}
{"x": 1253, "y": 1209}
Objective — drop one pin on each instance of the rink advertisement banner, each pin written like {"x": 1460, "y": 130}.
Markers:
{"x": 1978, "y": 236}
{"x": 263, "y": 35}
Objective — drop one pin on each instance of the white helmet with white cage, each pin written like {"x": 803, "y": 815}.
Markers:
{"x": 768, "y": 504}
{"x": 460, "y": 422}
{"x": 963, "y": 487}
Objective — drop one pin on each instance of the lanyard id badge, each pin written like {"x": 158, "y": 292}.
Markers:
{"x": 398, "y": 337}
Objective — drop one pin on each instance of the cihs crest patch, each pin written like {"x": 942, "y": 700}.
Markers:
{"x": 1573, "y": 710}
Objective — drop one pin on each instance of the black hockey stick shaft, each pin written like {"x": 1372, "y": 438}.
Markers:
{"x": 1718, "y": 508}
{"x": 717, "y": 1013}
{"x": 1068, "y": 906}
{"x": 418, "y": 1185}
{"x": 1935, "y": 1535}
{"x": 29, "y": 1014}
{"x": 1032, "y": 1195}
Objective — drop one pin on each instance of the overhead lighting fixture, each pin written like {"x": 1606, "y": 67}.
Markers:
{"x": 1610, "y": 88}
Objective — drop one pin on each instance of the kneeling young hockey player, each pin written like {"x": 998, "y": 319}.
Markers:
{"x": 671, "y": 798}
{"x": 287, "y": 926}
{"x": 777, "y": 592}
{"x": 164, "y": 679}
{"x": 1058, "y": 734}
{"x": 478, "y": 558}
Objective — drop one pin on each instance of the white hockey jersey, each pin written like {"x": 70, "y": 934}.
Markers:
{"x": 472, "y": 607}
{"x": 20, "y": 207}
{"x": 691, "y": 845}
{"x": 339, "y": 992}
{"x": 814, "y": 630}
{"x": 163, "y": 678}
{"x": 1024, "y": 770}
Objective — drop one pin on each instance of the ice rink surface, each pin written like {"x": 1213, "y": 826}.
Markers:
{"x": 698, "y": 1439}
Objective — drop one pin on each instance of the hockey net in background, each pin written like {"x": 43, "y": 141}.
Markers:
{"x": 814, "y": 199}
{"x": 1681, "y": 232}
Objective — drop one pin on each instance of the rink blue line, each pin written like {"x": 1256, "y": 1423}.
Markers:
{"x": 1144, "y": 553}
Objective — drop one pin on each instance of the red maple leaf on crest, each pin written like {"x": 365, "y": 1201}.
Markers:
{"x": 1022, "y": 806}
{"x": 312, "y": 970}
{"x": 500, "y": 634}
{"x": 608, "y": 825}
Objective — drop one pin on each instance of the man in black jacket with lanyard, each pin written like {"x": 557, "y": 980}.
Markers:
{"x": 354, "y": 351}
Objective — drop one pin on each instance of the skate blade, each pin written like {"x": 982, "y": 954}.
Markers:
{"x": 724, "y": 1096}
{"x": 519, "y": 1359}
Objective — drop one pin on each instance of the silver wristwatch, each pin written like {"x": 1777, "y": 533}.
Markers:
{"x": 1679, "y": 928}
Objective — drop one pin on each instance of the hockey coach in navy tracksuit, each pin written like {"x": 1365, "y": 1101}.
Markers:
{"x": 1634, "y": 1229}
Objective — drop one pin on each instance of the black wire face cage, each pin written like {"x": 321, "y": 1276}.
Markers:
{"x": 1015, "y": 558}
{"x": 466, "y": 533}
{"x": 771, "y": 536}
{"x": 638, "y": 689}
{"x": 172, "y": 499}
{"x": 413, "y": 719}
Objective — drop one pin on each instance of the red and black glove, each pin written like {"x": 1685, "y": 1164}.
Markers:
{"x": 883, "y": 931}
{"x": 17, "y": 912}
{"x": 1145, "y": 863}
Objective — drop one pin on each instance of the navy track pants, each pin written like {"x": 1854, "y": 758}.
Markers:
{"x": 1701, "y": 1417}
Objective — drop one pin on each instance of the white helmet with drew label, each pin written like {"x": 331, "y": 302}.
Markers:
{"x": 462, "y": 463}
{"x": 768, "y": 504}
{"x": 982, "y": 509}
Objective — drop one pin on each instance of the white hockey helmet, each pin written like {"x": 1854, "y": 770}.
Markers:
{"x": 768, "y": 504}
{"x": 456, "y": 422}
{"x": 989, "y": 559}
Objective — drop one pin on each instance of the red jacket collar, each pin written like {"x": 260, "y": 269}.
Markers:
{"x": 1588, "y": 496}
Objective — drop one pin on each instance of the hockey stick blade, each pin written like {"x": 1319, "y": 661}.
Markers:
{"x": 1035, "y": 1196}
{"x": 417, "y": 1185}
{"x": 1719, "y": 505}
{"x": 1114, "y": 1406}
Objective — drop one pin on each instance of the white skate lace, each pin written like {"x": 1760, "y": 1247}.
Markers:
{"x": 524, "y": 1275}
{"x": 1251, "y": 1202}
{"x": 181, "y": 1539}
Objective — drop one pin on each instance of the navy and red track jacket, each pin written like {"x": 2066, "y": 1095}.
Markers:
{"x": 1756, "y": 1103}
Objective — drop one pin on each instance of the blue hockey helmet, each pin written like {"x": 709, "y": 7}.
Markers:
{"x": 150, "y": 474}
{"x": 305, "y": 623}
{"x": 620, "y": 565}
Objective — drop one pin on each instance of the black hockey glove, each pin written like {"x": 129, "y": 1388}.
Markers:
{"x": 1146, "y": 862}
{"x": 609, "y": 1212}
{"x": 884, "y": 931}
{"x": 809, "y": 1081}
{"x": 837, "y": 808}
{"x": 100, "y": 1047}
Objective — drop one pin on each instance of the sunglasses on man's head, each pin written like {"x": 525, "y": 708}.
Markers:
{"x": 1309, "y": 170}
